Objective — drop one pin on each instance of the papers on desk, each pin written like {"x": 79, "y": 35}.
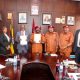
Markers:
{"x": 2, "y": 66}
{"x": 37, "y": 38}
{"x": 55, "y": 55}
{"x": 10, "y": 60}
{"x": 23, "y": 40}
{"x": 71, "y": 62}
{"x": 76, "y": 76}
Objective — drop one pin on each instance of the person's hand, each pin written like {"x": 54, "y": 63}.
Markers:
{"x": 8, "y": 47}
{"x": 40, "y": 41}
{"x": 62, "y": 48}
{"x": 33, "y": 42}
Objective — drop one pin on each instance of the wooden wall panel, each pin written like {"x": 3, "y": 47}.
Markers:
{"x": 47, "y": 6}
{"x": 70, "y": 7}
{"x": 78, "y": 16}
{"x": 22, "y": 5}
{"x": 1, "y": 4}
{"x": 57, "y": 8}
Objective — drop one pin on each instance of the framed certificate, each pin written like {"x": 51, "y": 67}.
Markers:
{"x": 37, "y": 38}
{"x": 9, "y": 16}
{"x": 22, "y": 18}
{"x": 34, "y": 9}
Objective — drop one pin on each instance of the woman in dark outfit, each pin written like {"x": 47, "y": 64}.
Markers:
{"x": 4, "y": 41}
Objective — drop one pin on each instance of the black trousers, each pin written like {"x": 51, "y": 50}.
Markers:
{"x": 77, "y": 54}
{"x": 43, "y": 48}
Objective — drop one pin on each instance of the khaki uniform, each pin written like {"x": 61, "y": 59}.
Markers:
{"x": 51, "y": 40}
{"x": 64, "y": 40}
{"x": 36, "y": 47}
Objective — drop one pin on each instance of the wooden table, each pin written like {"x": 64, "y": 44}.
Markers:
{"x": 14, "y": 72}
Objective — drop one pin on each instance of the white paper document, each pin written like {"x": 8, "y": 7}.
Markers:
{"x": 55, "y": 55}
{"x": 78, "y": 41}
{"x": 23, "y": 40}
{"x": 10, "y": 60}
{"x": 71, "y": 62}
{"x": 37, "y": 38}
{"x": 2, "y": 66}
{"x": 57, "y": 20}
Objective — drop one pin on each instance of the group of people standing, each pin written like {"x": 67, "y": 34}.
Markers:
{"x": 52, "y": 40}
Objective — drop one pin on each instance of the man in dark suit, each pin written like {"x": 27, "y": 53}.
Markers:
{"x": 76, "y": 46}
{"x": 4, "y": 41}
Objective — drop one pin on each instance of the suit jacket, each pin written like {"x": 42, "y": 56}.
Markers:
{"x": 3, "y": 44}
{"x": 17, "y": 40}
{"x": 75, "y": 41}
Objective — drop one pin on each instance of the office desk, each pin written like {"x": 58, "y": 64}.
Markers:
{"x": 14, "y": 72}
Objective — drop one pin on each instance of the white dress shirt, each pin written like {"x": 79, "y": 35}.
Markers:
{"x": 7, "y": 37}
{"x": 78, "y": 41}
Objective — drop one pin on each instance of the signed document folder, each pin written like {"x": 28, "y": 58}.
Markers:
{"x": 37, "y": 38}
{"x": 23, "y": 40}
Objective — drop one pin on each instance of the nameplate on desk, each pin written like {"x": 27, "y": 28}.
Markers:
{"x": 55, "y": 55}
{"x": 71, "y": 62}
{"x": 72, "y": 56}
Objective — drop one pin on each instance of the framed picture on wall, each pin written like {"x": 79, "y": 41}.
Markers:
{"x": 63, "y": 19}
{"x": 9, "y": 15}
{"x": 22, "y": 18}
{"x": 46, "y": 18}
{"x": 70, "y": 20}
{"x": 34, "y": 10}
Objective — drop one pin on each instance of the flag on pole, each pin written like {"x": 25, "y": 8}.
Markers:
{"x": 12, "y": 37}
{"x": 33, "y": 26}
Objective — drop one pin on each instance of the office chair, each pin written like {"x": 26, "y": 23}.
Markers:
{"x": 36, "y": 71}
